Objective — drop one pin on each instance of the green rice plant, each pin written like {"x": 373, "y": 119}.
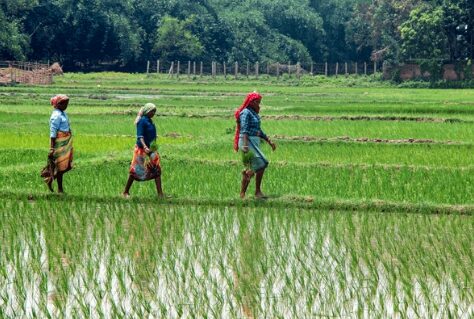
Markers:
{"x": 204, "y": 250}
{"x": 154, "y": 146}
{"x": 247, "y": 159}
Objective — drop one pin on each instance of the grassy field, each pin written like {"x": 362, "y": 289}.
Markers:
{"x": 370, "y": 211}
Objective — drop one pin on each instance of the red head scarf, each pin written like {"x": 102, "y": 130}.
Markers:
{"x": 59, "y": 99}
{"x": 250, "y": 97}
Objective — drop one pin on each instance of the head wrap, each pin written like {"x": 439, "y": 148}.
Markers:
{"x": 250, "y": 97}
{"x": 147, "y": 108}
{"x": 60, "y": 99}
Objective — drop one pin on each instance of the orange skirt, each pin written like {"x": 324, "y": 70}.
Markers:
{"x": 145, "y": 166}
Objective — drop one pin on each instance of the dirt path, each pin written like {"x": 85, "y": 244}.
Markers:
{"x": 364, "y": 140}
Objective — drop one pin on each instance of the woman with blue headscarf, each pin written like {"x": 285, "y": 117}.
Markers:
{"x": 146, "y": 160}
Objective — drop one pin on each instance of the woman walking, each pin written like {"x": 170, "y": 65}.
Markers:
{"x": 61, "y": 152}
{"x": 146, "y": 160}
{"x": 247, "y": 138}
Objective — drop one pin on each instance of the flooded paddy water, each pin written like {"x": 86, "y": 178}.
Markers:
{"x": 138, "y": 260}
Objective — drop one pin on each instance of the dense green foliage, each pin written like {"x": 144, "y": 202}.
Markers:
{"x": 86, "y": 34}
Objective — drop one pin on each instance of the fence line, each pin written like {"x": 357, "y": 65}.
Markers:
{"x": 25, "y": 72}
{"x": 238, "y": 70}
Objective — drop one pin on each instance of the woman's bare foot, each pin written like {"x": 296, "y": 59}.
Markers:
{"x": 260, "y": 195}
{"x": 125, "y": 195}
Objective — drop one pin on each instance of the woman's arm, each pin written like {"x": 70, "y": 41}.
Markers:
{"x": 267, "y": 139}
{"x": 145, "y": 148}
{"x": 54, "y": 122}
{"x": 140, "y": 134}
{"x": 244, "y": 130}
{"x": 245, "y": 145}
{"x": 51, "y": 146}
{"x": 272, "y": 145}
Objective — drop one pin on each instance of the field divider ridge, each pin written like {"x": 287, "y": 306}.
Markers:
{"x": 300, "y": 202}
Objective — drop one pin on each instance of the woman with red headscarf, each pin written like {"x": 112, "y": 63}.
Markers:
{"x": 247, "y": 138}
{"x": 60, "y": 152}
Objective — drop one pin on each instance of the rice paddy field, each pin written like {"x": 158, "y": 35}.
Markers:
{"x": 369, "y": 215}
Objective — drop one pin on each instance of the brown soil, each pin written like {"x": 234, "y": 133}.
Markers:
{"x": 359, "y": 118}
{"x": 360, "y": 139}
{"x": 172, "y": 135}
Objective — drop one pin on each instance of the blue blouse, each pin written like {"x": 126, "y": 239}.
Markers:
{"x": 250, "y": 123}
{"x": 146, "y": 129}
{"x": 58, "y": 122}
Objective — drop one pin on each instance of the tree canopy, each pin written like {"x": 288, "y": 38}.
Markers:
{"x": 124, "y": 33}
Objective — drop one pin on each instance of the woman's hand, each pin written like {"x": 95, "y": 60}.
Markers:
{"x": 51, "y": 152}
{"x": 145, "y": 147}
{"x": 273, "y": 145}
{"x": 245, "y": 148}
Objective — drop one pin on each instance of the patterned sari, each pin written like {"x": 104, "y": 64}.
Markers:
{"x": 63, "y": 152}
{"x": 145, "y": 166}
{"x": 61, "y": 160}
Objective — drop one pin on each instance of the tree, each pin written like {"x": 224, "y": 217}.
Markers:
{"x": 298, "y": 21}
{"x": 459, "y": 28}
{"x": 125, "y": 33}
{"x": 382, "y": 19}
{"x": 423, "y": 35}
{"x": 14, "y": 41}
{"x": 175, "y": 42}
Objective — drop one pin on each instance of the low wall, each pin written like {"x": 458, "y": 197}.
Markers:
{"x": 406, "y": 72}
